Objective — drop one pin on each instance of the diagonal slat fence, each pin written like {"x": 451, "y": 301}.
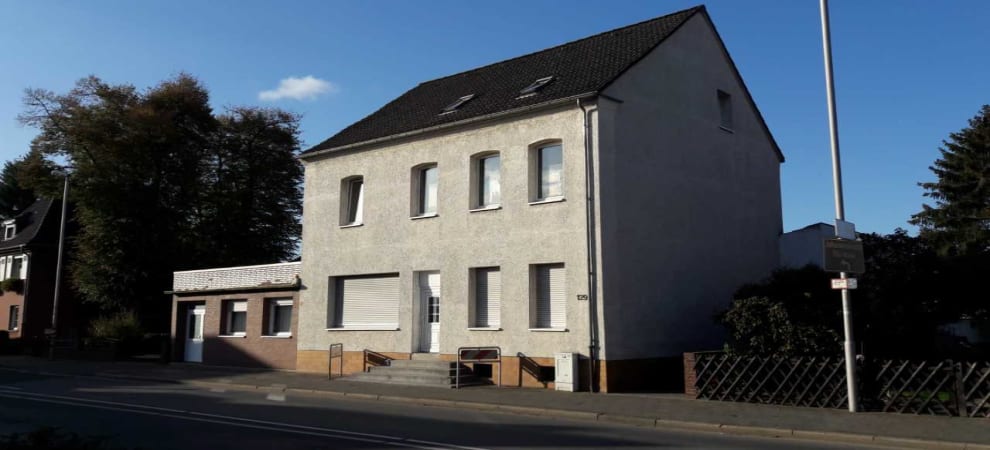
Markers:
{"x": 944, "y": 388}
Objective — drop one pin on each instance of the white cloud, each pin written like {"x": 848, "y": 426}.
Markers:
{"x": 305, "y": 88}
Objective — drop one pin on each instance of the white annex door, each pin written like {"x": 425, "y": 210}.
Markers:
{"x": 194, "y": 333}
{"x": 430, "y": 299}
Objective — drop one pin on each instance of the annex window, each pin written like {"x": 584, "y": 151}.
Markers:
{"x": 725, "y": 109}
{"x": 235, "y": 317}
{"x": 352, "y": 201}
{"x": 547, "y": 296}
{"x": 533, "y": 88}
{"x": 366, "y": 302}
{"x": 487, "y": 297}
{"x": 279, "y": 312}
{"x": 547, "y": 173}
{"x": 425, "y": 185}
{"x": 457, "y": 104}
{"x": 486, "y": 181}
{"x": 13, "y": 322}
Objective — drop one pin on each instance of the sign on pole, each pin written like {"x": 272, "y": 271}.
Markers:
{"x": 844, "y": 255}
{"x": 844, "y": 283}
{"x": 845, "y": 230}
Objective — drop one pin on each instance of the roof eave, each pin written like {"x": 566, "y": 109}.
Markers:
{"x": 493, "y": 116}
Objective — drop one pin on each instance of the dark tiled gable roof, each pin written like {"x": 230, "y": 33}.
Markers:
{"x": 581, "y": 67}
{"x": 28, "y": 223}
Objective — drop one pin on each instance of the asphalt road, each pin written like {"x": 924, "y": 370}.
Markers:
{"x": 168, "y": 416}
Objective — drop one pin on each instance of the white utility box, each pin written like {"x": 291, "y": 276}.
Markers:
{"x": 565, "y": 371}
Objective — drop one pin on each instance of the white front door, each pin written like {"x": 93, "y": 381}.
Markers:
{"x": 430, "y": 299}
{"x": 194, "y": 333}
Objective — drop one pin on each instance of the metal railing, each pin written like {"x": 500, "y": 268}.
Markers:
{"x": 336, "y": 351}
{"x": 490, "y": 355}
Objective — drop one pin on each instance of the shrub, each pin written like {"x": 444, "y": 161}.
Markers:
{"x": 122, "y": 326}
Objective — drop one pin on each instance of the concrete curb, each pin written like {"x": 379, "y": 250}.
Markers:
{"x": 639, "y": 421}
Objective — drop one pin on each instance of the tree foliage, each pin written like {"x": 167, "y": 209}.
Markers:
{"x": 959, "y": 222}
{"x": 161, "y": 183}
{"x": 24, "y": 180}
{"x": 791, "y": 313}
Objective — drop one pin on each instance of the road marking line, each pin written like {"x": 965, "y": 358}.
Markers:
{"x": 13, "y": 388}
{"x": 230, "y": 420}
{"x": 275, "y": 397}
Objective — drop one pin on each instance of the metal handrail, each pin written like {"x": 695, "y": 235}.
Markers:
{"x": 462, "y": 351}
{"x": 339, "y": 354}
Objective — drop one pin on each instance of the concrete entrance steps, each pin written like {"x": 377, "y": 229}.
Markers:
{"x": 418, "y": 372}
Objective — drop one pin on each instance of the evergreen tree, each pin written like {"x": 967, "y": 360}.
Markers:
{"x": 959, "y": 222}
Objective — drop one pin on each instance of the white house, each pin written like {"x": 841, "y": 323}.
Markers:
{"x": 603, "y": 197}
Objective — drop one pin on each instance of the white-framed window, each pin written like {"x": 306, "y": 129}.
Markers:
{"x": 352, "y": 201}
{"x": 426, "y": 183}
{"x": 486, "y": 310}
{"x": 14, "y": 320}
{"x": 235, "y": 317}
{"x": 9, "y": 229}
{"x": 15, "y": 268}
{"x": 488, "y": 186}
{"x": 547, "y": 172}
{"x": 279, "y": 311}
{"x": 725, "y": 109}
{"x": 548, "y": 297}
{"x": 365, "y": 302}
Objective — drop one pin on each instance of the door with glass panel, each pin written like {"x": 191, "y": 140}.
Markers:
{"x": 430, "y": 299}
{"x": 194, "y": 333}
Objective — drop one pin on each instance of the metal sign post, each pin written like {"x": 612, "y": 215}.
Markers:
{"x": 840, "y": 215}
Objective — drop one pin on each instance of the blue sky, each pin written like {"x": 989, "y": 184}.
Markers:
{"x": 907, "y": 72}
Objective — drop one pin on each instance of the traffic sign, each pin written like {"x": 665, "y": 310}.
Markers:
{"x": 844, "y": 283}
{"x": 845, "y": 230}
{"x": 844, "y": 255}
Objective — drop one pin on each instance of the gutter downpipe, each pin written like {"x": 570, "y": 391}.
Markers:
{"x": 589, "y": 174}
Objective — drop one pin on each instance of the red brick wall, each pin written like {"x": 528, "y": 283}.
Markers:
{"x": 254, "y": 349}
{"x": 690, "y": 376}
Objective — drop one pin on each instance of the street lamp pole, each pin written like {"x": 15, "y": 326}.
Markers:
{"x": 58, "y": 265}
{"x": 840, "y": 213}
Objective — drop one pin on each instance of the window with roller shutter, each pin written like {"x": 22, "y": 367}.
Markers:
{"x": 550, "y": 308}
{"x": 488, "y": 297}
{"x": 368, "y": 302}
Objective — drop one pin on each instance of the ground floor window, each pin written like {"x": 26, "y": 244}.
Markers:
{"x": 548, "y": 296}
{"x": 14, "y": 319}
{"x": 365, "y": 302}
{"x": 235, "y": 317}
{"x": 279, "y": 312}
{"x": 487, "y": 297}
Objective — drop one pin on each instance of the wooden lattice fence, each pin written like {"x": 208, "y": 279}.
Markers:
{"x": 921, "y": 387}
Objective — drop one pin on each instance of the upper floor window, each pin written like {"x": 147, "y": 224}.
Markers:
{"x": 13, "y": 267}
{"x": 725, "y": 109}
{"x": 352, "y": 201}
{"x": 9, "y": 229}
{"x": 426, "y": 183}
{"x": 549, "y": 174}
{"x": 488, "y": 187}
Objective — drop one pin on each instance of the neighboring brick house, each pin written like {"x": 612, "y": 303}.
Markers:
{"x": 236, "y": 316}
{"x": 28, "y": 259}
{"x": 602, "y": 197}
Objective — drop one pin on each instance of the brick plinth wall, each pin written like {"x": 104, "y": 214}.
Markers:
{"x": 690, "y": 376}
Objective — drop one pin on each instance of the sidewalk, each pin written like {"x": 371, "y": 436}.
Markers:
{"x": 660, "y": 410}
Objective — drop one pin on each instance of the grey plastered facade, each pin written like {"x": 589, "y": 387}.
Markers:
{"x": 683, "y": 213}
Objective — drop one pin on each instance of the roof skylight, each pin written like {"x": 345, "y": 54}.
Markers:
{"x": 535, "y": 86}
{"x": 457, "y": 104}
